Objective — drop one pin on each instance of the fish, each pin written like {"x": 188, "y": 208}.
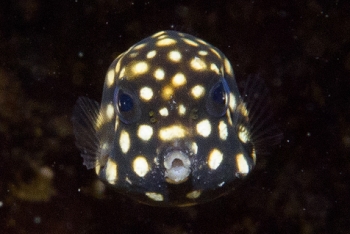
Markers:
{"x": 172, "y": 128}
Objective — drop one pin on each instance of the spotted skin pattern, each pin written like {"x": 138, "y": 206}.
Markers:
{"x": 172, "y": 128}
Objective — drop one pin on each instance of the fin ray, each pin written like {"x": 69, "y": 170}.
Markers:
{"x": 85, "y": 114}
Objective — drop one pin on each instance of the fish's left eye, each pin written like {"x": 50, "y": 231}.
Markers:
{"x": 127, "y": 105}
{"x": 217, "y": 101}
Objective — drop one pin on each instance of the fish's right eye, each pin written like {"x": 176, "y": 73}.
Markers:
{"x": 127, "y": 105}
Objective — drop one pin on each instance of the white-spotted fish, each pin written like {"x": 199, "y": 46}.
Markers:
{"x": 172, "y": 128}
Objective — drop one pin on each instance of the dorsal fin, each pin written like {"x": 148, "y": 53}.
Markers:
{"x": 84, "y": 119}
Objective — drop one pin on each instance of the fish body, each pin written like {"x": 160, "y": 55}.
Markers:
{"x": 172, "y": 128}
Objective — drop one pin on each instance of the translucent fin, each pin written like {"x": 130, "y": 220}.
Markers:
{"x": 264, "y": 132}
{"x": 85, "y": 114}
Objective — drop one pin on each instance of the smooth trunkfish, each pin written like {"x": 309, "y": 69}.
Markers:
{"x": 172, "y": 128}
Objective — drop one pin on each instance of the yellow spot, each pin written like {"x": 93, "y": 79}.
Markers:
{"x": 190, "y": 42}
{"x": 215, "y": 159}
{"x": 179, "y": 79}
{"x": 215, "y": 52}
{"x": 194, "y": 194}
{"x": 214, "y": 68}
{"x": 124, "y": 141}
{"x": 244, "y": 110}
{"x": 232, "y": 103}
{"x": 223, "y": 130}
{"x": 167, "y": 92}
{"x": 164, "y": 111}
{"x": 158, "y": 34}
{"x": 146, "y": 93}
{"x": 172, "y": 132}
{"x": 254, "y": 155}
{"x": 110, "y": 111}
{"x": 242, "y": 164}
{"x": 159, "y": 74}
{"x": 110, "y": 78}
{"x": 140, "y": 166}
{"x": 165, "y": 42}
{"x": 194, "y": 147}
{"x": 97, "y": 169}
{"x": 243, "y": 134}
{"x": 116, "y": 124}
{"x": 198, "y": 64}
{"x": 201, "y": 41}
{"x": 228, "y": 67}
{"x": 174, "y": 56}
{"x": 139, "y": 68}
{"x": 138, "y": 47}
{"x": 151, "y": 54}
{"x": 145, "y": 132}
{"x": 204, "y": 128}
{"x": 122, "y": 73}
{"x": 197, "y": 91}
{"x": 182, "y": 110}
{"x": 111, "y": 171}
{"x": 155, "y": 196}
{"x": 203, "y": 52}
{"x": 133, "y": 55}
{"x": 117, "y": 67}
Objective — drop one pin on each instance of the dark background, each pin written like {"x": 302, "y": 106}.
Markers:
{"x": 51, "y": 52}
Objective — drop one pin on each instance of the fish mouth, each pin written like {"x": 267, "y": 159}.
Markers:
{"x": 177, "y": 166}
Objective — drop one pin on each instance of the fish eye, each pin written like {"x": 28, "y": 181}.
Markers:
{"x": 217, "y": 100}
{"x": 127, "y": 105}
{"x": 125, "y": 102}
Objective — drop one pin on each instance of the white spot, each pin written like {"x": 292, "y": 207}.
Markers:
{"x": 155, "y": 196}
{"x": 128, "y": 180}
{"x": 140, "y": 68}
{"x": 164, "y": 111}
{"x": 172, "y": 132}
{"x": 215, "y": 159}
{"x": 159, "y": 74}
{"x": 194, "y": 147}
{"x": 215, "y": 52}
{"x": 140, "y": 166}
{"x": 194, "y": 194}
{"x": 124, "y": 141}
{"x": 214, "y": 68}
{"x": 190, "y": 42}
{"x": 242, "y": 164}
{"x": 110, "y": 111}
{"x": 232, "y": 104}
{"x": 179, "y": 79}
{"x": 175, "y": 56}
{"x": 203, "y": 52}
{"x": 204, "y": 128}
{"x": 197, "y": 91}
{"x": 182, "y": 110}
{"x": 228, "y": 67}
{"x": 145, "y": 132}
{"x": 151, "y": 54}
{"x": 165, "y": 42}
{"x": 198, "y": 64}
{"x": 223, "y": 130}
{"x": 243, "y": 134}
{"x": 140, "y": 46}
{"x": 221, "y": 184}
{"x": 111, "y": 171}
{"x": 110, "y": 78}
{"x": 146, "y": 93}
